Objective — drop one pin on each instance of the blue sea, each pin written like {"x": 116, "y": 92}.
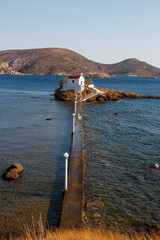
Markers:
{"x": 26, "y": 137}
{"x": 121, "y": 181}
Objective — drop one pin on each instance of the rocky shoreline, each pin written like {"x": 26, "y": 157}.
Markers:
{"x": 90, "y": 95}
{"x": 6, "y": 70}
{"x": 97, "y": 75}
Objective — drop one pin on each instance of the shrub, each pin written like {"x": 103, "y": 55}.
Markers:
{"x": 63, "y": 80}
{"x": 88, "y": 82}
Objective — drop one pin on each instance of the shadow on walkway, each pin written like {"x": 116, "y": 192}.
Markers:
{"x": 55, "y": 207}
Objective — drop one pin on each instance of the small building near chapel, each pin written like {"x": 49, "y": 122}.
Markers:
{"x": 74, "y": 82}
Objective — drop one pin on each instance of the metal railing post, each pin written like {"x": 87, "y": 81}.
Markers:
{"x": 66, "y": 155}
{"x": 73, "y": 121}
{"x": 75, "y": 105}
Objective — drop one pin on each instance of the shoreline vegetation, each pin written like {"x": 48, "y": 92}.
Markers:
{"x": 38, "y": 232}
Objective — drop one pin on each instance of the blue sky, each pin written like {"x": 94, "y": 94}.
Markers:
{"x": 106, "y": 31}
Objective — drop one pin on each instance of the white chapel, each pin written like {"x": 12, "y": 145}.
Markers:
{"x": 74, "y": 82}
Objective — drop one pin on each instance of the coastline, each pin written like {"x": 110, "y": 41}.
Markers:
{"x": 105, "y": 95}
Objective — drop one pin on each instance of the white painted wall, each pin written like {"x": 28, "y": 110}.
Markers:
{"x": 76, "y": 84}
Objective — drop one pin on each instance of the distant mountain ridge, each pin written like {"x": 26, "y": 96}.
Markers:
{"x": 60, "y": 61}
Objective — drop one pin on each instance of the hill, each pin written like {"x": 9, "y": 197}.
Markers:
{"x": 59, "y": 61}
{"x": 6, "y": 70}
{"x": 133, "y": 67}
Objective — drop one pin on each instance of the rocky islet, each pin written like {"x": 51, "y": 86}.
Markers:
{"x": 105, "y": 95}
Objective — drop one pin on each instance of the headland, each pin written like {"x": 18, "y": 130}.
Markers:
{"x": 98, "y": 95}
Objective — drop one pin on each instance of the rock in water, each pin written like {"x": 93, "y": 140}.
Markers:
{"x": 116, "y": 114}
{"x": 157, "y": 165}
{"x": 49, "y": 119}
{"x": 18, "y": 166}
{"x": 12, "y": 174}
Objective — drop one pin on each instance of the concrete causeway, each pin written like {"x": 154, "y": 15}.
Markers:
{"x": 72, "y": 209}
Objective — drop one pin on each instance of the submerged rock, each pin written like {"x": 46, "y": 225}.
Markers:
{"x": 49, "y": 119}
{"x": 116, "y": 114}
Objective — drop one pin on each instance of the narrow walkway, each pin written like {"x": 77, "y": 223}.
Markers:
{"x": 98, "y": 91}
{"x": 73, "y": 198}
{"x": 92, "y": 94}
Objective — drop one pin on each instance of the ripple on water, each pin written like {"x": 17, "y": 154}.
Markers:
{"x": 122, "y": 182}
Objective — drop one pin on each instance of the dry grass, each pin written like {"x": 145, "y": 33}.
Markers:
{"x": 89, "y": 234}
{"x": 38, "y": 232}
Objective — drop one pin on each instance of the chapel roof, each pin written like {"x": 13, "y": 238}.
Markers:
{"x": 74, "y": 76}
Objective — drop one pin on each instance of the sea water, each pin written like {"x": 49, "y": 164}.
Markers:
{"x": 121, "y": 182}
{"x": 26, "y": 137}
{"x": 122, "y": 145}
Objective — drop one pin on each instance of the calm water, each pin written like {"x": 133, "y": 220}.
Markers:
{"x": 28, "y": 138}
{"x": 122, "y": 184}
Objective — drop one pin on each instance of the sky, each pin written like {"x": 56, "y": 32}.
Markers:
{"x": 105, "y": 31}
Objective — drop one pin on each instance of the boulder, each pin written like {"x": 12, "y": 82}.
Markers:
{"x": 101, "y": 98}
{"x": 18, "y": 166}
{"x": 12, "y": 174}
